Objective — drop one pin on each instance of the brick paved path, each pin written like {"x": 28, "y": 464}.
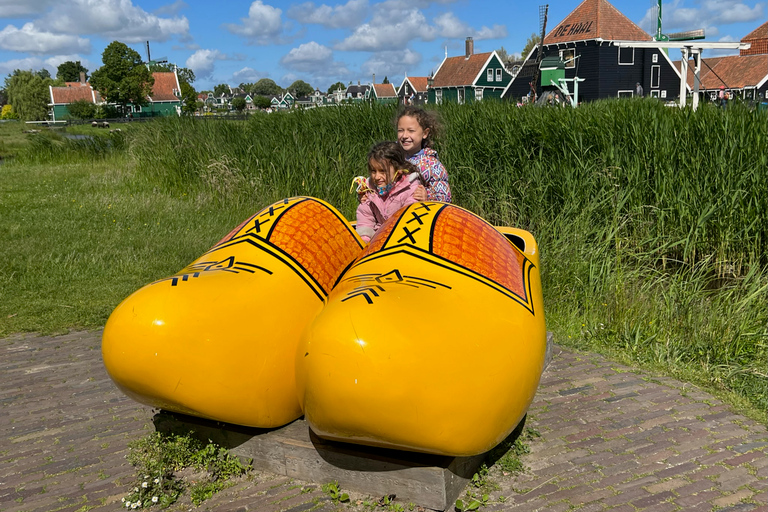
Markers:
{"x": 610, "y": 439}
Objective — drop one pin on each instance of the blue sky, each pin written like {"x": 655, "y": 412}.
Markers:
{"x": 320, "y": 42}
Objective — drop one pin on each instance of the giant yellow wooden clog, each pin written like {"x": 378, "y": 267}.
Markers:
{"x": 432, "y": 341}
{"x": 218, "y": 339}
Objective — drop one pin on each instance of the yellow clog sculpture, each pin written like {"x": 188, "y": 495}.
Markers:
{"x": 218, "y": 340}
{"x": 432, "y": 341}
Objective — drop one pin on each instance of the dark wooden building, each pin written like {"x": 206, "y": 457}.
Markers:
{"x": 585, "y": 40}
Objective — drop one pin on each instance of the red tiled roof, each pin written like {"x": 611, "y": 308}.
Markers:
{"x": 384, "y": 90}
{"x": 759, "y": 40}
{"x": 737, "y": 71}
{"x": 164, "y": 87}
{"x": 595, "y": 19}
{"x": 456, "y": 71}
{"x": 66, "y": 95}
{"x": 419, "y": 83}
{"x": 76, "y": 84}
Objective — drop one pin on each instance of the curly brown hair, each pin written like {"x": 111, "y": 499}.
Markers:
{"x": 427, "y": 119}
{"x": 391, "y": 153}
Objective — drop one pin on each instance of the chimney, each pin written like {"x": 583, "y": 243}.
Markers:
{"x": 82, "y": 77}
{"x": 374, "y": 78}
{"x": 469, "y": 44}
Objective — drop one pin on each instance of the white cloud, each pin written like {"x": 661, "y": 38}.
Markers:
{"x": 391, "y": 64}
{"x": 349, "y": 15}
{"x": 263, "y": 25}
{"x": 115, "y": 19}
{"x": 33, "y": 63}
{"x": 711, "y": 13}
{"x": 450, "y": 26}
{"x": 389, "y": 30}
{"x": 314, "y": 59}
{"x": 23, "y": 9}
{"x": 247, "y": 75}
{"x": 171, "y": 9}
{"x": 31, "y": 40}
{"x": 202, "y": 62}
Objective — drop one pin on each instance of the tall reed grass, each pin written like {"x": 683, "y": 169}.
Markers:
{"x": 651, "y": 220}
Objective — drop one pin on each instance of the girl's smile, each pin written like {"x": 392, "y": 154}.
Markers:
{"x": 410, "y": 134}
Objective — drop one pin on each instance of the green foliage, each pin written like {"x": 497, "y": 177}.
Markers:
{"x": 335, "y": 87}
{"x": 82, "y": 109}
{"x": 333, "y": 492}
{"x": 159, "y": 457}
{"x": 472, "y": 503}
{"x": 188, "y": 98}
{"x": 239, "y": 104}
{"x": 266, "y": 87}
{"x": 123, "y": 78}
{"x": 220, "y": 89}
{"x": 69, "y": 71}
{"x": 300, "y": 88}
{"x": 262, "y": 102}
{"x": 29, "y": 94}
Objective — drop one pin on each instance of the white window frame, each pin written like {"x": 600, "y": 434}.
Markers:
{"x": 625, "y": 94}
{"x": 632, "y": 63}
{"x": 655, "y": 58}
{"x": 460, "y": 93}
{"x": 568, "y": 53}
{"x": 478, "y": 94}
{"x": 766, "y": 95}
{"x": 655, "y": 94}
{"x": 655, "y": 76}
{"x": 439, "y": 96}
{"x": 498, "y": 75}
{"x": 664, "y": 93}
{"x": 489, "y": 75}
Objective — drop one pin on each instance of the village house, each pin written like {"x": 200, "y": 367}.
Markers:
{"x": 413, "y": 90}
{"x": 585, "y": 41}
{"x": 383, "y": 93}
{"x": 61, "y": 97}
{"x": 467, "y": 78}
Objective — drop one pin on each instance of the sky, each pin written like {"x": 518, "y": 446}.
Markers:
{"x": 320, "y": 42}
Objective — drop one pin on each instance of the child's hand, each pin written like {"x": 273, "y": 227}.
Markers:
{"x": 360, "y": 185}
{"x": 420, "y": 194}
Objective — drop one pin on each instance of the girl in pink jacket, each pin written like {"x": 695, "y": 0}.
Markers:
{"x": 390, "y": 187}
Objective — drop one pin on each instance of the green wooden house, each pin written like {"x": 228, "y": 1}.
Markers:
{"x": 470, "y": 77}
{"x": 383, "y": 93}
{"x": 61, "y": 97}
{"x": 165, "y": 99}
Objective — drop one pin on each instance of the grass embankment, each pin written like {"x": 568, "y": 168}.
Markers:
{"x": 651, "y": 221}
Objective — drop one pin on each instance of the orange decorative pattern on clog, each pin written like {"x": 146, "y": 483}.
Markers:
{"x": 468, "y": 241}
{"x": 317, "y": 240}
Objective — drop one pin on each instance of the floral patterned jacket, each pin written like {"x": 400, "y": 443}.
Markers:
{"x": 434, "y": 174}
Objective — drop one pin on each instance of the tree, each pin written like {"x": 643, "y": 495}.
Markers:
{"x": 300, "y": 88}
{"x": 43, "y": 73}
{"x": 220, "y": 89}
{"x": 188, "y": 98}
{"x": 238, "y": 103}
{"x": 70, "y": 71}
{"x": 386, "y": 80}
{"x": 335, "y": 87}
{"x": 82, "y": 109}
{"x": 8, "y": 113}
{"x": 262, "y": 102}
{"x": 28, "y": 93}
{"x": 266, "y": 87}
{"x": 532, "y": 41}
{"x": 123, "y": 78}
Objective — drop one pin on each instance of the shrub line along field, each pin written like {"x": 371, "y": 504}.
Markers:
{"x": 651, "y": 221}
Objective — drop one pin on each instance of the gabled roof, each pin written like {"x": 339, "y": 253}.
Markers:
{"x": 737, "y": 71}
{"x": 357, "y": 89}
{"x": 456, "y": 71}
{"x": 76, "y": 84}
{"x": 67, "y": 95}
{"x": 595, "y": 19}
{"x": 384, "y": 90}
{"x": 418, "y": 83}
{"x": 759, "y": 40}
{"x": 165, "y": 87}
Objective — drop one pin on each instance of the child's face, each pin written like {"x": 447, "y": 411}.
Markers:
{"x": 382, "y": 173}
{"x": 410, "y": 134}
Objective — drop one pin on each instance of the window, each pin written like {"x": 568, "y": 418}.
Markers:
{"x": 478, "y": 94}
{"x": 766, "y": 95}
{"x": 626, "y": 94}
{"x": 655, "y": 58}
{"x": 568, "y": 55}
{"x": 439, "y": 96}
{"x": 663, "y": 94}
{"x": 489, "y": 75}
{"x": 498, "y": 74}
{"x": 626, "y": 56}
{"x": 655, "y": 75}
{"x": 655, "y": 94}
{"x": 461, "y": 96}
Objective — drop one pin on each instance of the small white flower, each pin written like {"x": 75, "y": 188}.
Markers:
{"x": 157, "y": 480}
{"x": 154, "y": 499}
{"x": 135, "y": 505}
{"x": 122, "y": 499}
{"x": 135, "y": 489}
{"x": 144, "y": 485}
{"x": 127, "y": 504}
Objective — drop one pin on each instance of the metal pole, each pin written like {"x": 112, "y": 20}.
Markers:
{"x": 696, "y": 80}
